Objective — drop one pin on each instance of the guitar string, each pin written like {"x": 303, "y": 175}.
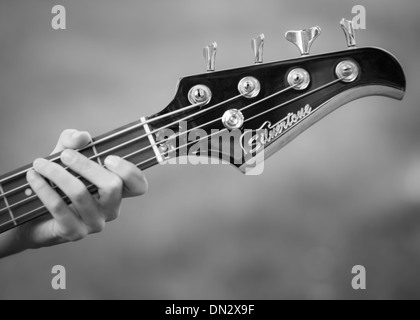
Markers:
{"x": 153, "y": 158}
{"x": 256, "y": 116}
{"x": 96, "y": 156}
{"x": 115, "y": 134}
{"x": 143, "y": 149}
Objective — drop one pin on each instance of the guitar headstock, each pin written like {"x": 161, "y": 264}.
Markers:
{"x": 244, "y": 115}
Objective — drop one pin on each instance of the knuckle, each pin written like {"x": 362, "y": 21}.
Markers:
{"x": 57, "y": 205}
{"x": 80, "y": 195}
{"x": 85, "y": 165}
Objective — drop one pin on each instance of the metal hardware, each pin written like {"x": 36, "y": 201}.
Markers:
{"x": 299, "y": 79}
{"x": 304, "y": 39}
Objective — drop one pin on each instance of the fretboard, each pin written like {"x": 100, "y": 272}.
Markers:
{"x": 133, "y": 142}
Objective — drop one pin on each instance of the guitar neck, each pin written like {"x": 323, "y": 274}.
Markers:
{"x": 133, "y": 142}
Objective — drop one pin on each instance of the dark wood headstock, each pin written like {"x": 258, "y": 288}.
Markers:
{"x": 379, "y": 73}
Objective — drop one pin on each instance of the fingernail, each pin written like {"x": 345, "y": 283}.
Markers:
{"x": 39, "y": 163}
{"x": 31, "y": 175}
{"x": 68, "y": 156}
{"x": 112, "y": 161}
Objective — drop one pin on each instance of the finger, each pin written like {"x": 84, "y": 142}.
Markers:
{"x": 72, "y": 139}
{"x": 135, "y": 183}
{"x": 41, "y": 232}
{"x": 110, "y": 185}
{"x": 67, "y": 225}
{"x": 75, "y": 190}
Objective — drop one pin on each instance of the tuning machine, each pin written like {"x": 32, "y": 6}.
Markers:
{"x": 303, "y": 39}
{"x": 348, "y": 29}
{"x": 210, "y": 56}
{"x": 257, "y": 45}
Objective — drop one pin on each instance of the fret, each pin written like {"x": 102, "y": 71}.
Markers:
{"x": 7, "y": 205}
{"x": 122, "y": 149}
{"x": 15, "y": 202}
{"x": 96, "y": 153}
{"x": 17, "y": 197}
{"x": 151, "y": 140}
{"x": 6, "y": 220}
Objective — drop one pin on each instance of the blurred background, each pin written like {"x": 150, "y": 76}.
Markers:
{"x": 207, "y": 232}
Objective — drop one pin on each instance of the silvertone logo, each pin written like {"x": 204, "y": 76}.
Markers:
{"x": 268, "y": 133}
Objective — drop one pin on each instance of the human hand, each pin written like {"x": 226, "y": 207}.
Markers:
{"x": 87, "y": 214}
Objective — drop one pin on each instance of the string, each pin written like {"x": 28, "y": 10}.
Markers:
{"x": 96, "y": 156}
{"x": 152, "y": 145}
{"x": 116, "y": 134}
{"x": 205, "y": 137}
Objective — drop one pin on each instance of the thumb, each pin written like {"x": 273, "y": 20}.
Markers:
{"x": 72, "y": 139}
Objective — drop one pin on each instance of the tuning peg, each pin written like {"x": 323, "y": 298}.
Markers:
{"x": 304, "y": 39}
{"x": 348, "y": 28}
{"x": 210, "y": 56}
{"x": 257, "y": 45}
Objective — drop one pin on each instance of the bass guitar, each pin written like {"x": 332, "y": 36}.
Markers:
{"x": 240, "y": 116}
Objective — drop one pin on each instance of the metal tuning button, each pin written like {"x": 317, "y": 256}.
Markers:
{"x": 304, "y": 39}
{"x": 348, "y": 28}
{"x": 233, "y": 119}
{"x": 257, "y": 45}
{"x": 210, "y": 56}
{"x": 199, "y": 94}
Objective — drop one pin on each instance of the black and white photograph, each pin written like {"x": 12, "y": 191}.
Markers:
{"x": 209, "y": 155}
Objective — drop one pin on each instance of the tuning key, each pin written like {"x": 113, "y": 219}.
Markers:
{"x": 210, "y": 56}
{"x": 257, "y": 45}
{"x": 304, "y": 39}
{"x": 348, "y": 28}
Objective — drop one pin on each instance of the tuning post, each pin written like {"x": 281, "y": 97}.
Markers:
{"x": 257, "y": 45}
{"x": 210, "y": 56}
{"x": 249, "y": 87}
{"x": 199, "y": 94}
{"x": 347, "y": 71}
{"x": 299, "y": 79}
{"x": 348, "y": 28}
{"x": 303, "y": 39}
{"x": 233, "y": 119}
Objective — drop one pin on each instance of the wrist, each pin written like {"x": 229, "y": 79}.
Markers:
{"x": 11, "y": 243}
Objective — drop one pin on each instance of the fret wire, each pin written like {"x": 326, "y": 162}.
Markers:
{"x": 95, "y": 152}
{"x": 152, "y": 141}
{"x": 6, "y": 202}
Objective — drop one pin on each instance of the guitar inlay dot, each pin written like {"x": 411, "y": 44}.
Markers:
{"x": 28, "y": 192}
